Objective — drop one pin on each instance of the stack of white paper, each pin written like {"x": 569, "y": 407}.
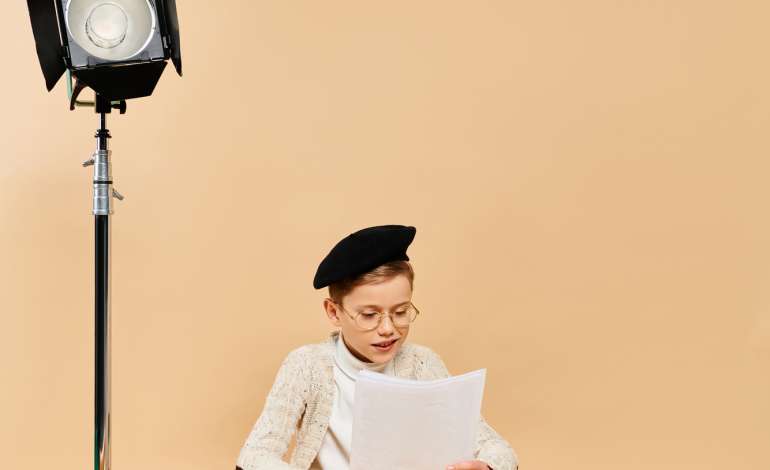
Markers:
{"x": 402, "y": 424}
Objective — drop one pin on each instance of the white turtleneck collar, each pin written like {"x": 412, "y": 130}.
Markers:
{"x": 350, "y": 365}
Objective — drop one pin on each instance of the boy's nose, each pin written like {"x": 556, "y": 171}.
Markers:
{"x": 386, "y": 325}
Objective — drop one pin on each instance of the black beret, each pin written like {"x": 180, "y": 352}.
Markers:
{"x": 362, "y": 251}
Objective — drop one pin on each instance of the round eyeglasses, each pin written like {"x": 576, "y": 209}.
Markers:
{"x": 370, "y": 320}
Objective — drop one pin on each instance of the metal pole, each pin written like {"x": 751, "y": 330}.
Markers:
{"x": 102, "y": 208}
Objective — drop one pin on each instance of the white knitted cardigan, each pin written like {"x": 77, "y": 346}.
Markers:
{"x": 301, "y": 398}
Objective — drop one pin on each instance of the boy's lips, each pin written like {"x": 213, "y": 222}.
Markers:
{"x": 385, "y": 343}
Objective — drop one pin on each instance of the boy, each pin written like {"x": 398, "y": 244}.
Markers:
{"x": 370, "y": 290}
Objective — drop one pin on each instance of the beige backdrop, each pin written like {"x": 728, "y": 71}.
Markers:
{"x": 588, "y": 180}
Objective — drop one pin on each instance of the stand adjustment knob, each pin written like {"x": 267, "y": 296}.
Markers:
{"x": 89, "y": 162}
{"x": 117, "y": 195}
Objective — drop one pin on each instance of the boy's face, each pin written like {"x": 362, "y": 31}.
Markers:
{"x": 386, "y": 296}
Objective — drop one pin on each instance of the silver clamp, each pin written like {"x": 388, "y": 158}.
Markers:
{"x": 115, "y": 192}
{"x": 103, "y": 190}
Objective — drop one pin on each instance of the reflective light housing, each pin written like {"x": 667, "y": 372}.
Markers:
{"x": 119, "y": 48}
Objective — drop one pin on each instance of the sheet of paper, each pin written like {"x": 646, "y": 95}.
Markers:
{"x": 402, "y": 424}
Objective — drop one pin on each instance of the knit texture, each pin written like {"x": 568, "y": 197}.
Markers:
{"x": 301, "y": 400}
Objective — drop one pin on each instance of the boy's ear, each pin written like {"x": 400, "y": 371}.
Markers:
{"x": 332, "y": 313}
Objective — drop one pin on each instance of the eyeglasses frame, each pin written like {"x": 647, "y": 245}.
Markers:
{"x": 380, "y": 316}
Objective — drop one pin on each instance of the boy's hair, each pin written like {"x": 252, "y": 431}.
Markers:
{"x": 383, "y": 272}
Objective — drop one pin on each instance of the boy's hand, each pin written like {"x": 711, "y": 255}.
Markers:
{"x": 468, "y": 465}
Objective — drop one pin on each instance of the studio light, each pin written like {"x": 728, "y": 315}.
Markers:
{"x": 118, "y": 48}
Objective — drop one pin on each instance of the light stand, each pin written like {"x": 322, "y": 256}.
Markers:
{"x": 102, "y": 209}
{"x": 102, "y": 319}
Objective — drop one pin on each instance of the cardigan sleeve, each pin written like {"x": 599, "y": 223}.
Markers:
{"x": 270, "y": 436}
{"x": 491, "y": 448}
